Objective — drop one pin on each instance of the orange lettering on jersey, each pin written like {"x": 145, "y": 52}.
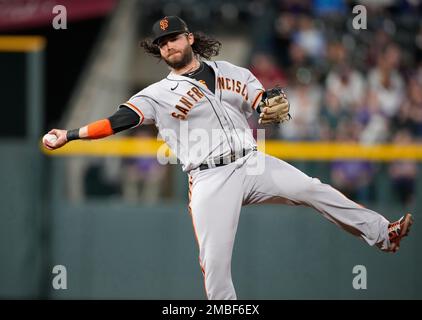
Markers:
{"x": 244, "y": 92}
{"x": 233, "y": 85}
{"x": 238, "y": 84}
{"x": 198, "y": 92}
{"x": 183, "y": 110}
{"x": 190, "y": 94}
{"x": 178, "y": 116}
{"x": 227, "y": 84}
{"x": 220, "y": 82}
{"x": 186, "y": 102}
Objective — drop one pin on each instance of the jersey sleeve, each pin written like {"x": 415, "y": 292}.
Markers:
{"x": 143, "y": 107}
{"x": 255, "y": 90}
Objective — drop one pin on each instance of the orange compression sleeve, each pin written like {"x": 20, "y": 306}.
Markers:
{"x": 99, "y": 129}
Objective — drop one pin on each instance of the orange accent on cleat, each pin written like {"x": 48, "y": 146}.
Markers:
{"x": 399, "y": 229}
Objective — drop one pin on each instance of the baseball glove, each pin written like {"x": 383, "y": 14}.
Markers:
{"x": 274, "y": 107}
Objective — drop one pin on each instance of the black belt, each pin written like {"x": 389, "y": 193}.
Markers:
{"x": 222, "y": 161}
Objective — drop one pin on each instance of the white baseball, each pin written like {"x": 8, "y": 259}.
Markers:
{"x": 51, "y": 138}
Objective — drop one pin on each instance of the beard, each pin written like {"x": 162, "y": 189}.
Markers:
{"x": 183, "y": 61}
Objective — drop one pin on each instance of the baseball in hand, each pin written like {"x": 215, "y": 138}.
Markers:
{"x": 51, "y": 138}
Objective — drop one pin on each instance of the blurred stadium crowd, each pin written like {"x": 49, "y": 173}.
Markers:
{"x": 347, "y": 85}
{"x": 344, "y": 85}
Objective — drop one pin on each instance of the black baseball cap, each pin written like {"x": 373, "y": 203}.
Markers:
{"x": 167, "y": 26}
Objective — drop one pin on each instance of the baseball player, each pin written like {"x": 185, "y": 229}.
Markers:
{"x": 201, "y": 109}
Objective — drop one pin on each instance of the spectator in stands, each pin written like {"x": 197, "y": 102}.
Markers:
{"x": 409, "y": 116}
{"x": 376, "y": 46}
{"x": 309, "y": 38}
{"x": 375, "y": 123}
{"x": 352, "y": 177}
{"x": 267, "y": 71}
{"x": 347, "y": 84}
{"x": 331, "y": 114}
{"x": 284, "y": 26}
{"x": 298, "y": 60}
{"x": 305, "y": 95}
{"x": 403, "y": 173}
{"x": 386, "y": 81}
{"x": 414, "y": 100}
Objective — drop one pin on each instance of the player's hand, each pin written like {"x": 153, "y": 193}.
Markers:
{"x": 59, "y": 142}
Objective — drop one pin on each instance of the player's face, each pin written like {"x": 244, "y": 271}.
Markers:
{"x": 176, "y": 50}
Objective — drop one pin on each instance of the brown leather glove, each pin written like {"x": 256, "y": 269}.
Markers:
{"x": 274, "y": 107}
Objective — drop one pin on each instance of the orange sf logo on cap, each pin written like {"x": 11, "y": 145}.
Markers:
{"x": 164, "y": 24}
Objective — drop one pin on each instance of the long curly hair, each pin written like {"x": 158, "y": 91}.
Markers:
{"x": 203, "y": 46}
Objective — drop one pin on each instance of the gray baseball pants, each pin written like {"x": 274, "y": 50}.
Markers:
{"x": 217, "y": 195}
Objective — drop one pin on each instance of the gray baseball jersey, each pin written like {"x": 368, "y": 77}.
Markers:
{"x": 199, "y": 126}
{"x": 186, "y": 113}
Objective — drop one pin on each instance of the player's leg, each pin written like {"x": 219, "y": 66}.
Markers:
{"x": 280, "y": 182}
{"x": 215, "y": 203}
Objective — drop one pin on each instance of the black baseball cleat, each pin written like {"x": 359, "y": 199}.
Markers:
{"x": 399, "y": 229}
